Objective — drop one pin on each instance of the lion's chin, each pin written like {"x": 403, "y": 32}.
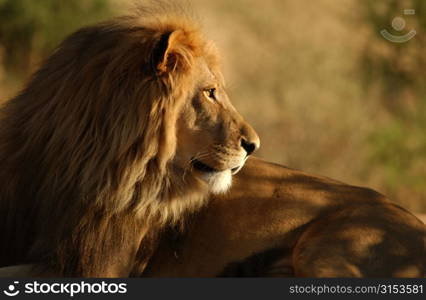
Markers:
{"x": 219, "y": 182}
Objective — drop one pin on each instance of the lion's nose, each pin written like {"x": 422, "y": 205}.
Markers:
{"x": 250, "y": 147}
{"x": 249, "y": 140}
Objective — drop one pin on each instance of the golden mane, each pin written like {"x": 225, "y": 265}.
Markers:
{"x": 85, "y": 184}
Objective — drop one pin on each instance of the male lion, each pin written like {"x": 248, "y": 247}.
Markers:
{"x": 280, "y": 222}
{"x": 124, "y": 130}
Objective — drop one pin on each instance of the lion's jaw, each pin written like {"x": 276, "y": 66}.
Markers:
{"x": 219, "y": 182}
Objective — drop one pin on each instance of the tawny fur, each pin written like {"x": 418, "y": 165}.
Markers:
{"x": 281, "y": 222}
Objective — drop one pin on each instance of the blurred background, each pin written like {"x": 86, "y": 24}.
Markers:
{"x": 325, "y": 90}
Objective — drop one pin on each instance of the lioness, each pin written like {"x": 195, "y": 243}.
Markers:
{"x": 276, "y": 221}
{"x": 280, "y": 222}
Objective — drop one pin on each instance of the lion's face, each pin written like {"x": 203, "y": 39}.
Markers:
{"x": 214, "y": 141}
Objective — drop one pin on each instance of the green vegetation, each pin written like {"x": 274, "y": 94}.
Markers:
{"x": 398, "y": 72}
{"x": 30, "y": 29}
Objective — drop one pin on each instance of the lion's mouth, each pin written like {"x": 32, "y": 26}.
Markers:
{"x": 202, "y": 167}
{"x": 236, "y": 170}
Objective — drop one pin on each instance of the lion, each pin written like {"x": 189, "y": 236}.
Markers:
{"x": 123, "y": 131}
{"x": 280, "y": 222}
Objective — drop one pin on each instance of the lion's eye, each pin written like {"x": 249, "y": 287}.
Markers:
{"x": 211, "y": 93}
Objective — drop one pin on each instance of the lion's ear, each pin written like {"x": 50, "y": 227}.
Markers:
{"x": 164, "y": 58}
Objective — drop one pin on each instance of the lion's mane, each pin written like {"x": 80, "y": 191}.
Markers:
{"x": 85, "y": 179}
